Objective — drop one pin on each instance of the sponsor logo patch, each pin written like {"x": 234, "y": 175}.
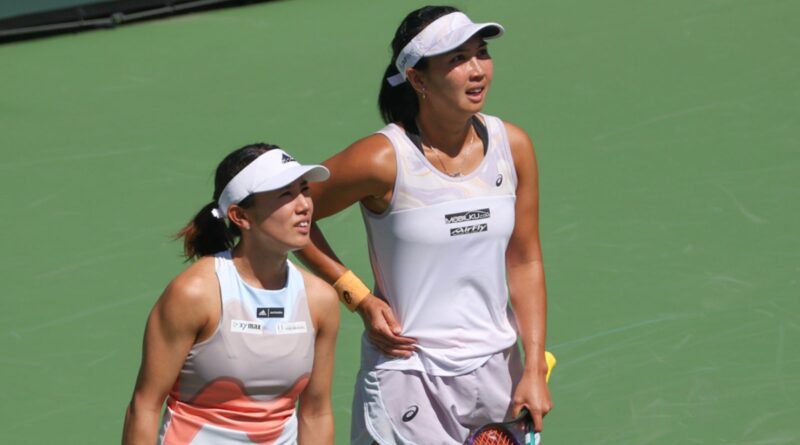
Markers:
{"x": 467, "y": 230}
{"x": 470, "y": 215}
{"x": 269, "y": 312}
{"x": 247, "y": 327}
{"x": 295, "y": 327}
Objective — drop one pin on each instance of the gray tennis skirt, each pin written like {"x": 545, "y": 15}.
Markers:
{"x": 415, "y": 408}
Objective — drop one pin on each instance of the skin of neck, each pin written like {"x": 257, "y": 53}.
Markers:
{"x": 260, "y": 267}
{"x": 447, "y": 131}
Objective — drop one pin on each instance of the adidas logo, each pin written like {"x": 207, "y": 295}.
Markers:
{"x": 269, "y": 312}
{"x": 286, "y": 158}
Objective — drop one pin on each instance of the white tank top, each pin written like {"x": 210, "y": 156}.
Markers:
{"x": 438, "y": 256}
{"x": 241, "y": 385}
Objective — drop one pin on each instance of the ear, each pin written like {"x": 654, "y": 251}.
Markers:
{"x": 238, "y": 216}
{"x": 416, "y": 80}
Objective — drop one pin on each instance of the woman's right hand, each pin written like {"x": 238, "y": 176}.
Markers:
{"x": 383, "y": 329}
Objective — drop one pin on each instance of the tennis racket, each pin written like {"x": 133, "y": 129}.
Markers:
{"x": 518, "y": 431}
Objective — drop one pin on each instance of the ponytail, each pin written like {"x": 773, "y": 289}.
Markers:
{"x": 205, "y": 234}
{"x": 399, "y": 103}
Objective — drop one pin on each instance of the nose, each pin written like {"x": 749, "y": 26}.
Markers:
{"x": 303, "y": 203}
{"x": 475, "y": 68}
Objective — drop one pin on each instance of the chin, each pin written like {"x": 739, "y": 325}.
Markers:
{"x": 298, "y": 244}
{"x": 473, "y": 108}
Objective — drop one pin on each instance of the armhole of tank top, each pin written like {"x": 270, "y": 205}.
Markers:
{"x": 302, "y": 283}
{"x": 389, "y": 132}
{"x": 507, "y": 152}
{"x": 218, "y": 262}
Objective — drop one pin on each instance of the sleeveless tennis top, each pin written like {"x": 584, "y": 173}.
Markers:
{"x": 241, "y": 385}
{"x": 438, "y": 257}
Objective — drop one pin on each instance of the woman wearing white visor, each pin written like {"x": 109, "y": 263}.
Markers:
{"x": 241, "y": 335}
{"x": 449, "y": 198}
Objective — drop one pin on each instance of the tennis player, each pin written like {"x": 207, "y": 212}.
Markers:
{"x": 242, "y": 334}
{"x": 449, "y": 198}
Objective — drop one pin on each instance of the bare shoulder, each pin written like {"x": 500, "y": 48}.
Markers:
{"x": 521, "y": 147}
{"x": 194, "y": 293}
{"x": 372, "y": 156}
{"x": 321, "y": 295}
{"x": 518, "y": 138}
{"x": 363, "y": 172}
{"x": 323, "y": 303}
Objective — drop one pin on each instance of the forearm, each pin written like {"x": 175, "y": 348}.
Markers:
{"x": 529, "y": 302}
{"x": 141, "y": 426}
{"x": 315, "y": 428}
{"x": 320, "y": 258}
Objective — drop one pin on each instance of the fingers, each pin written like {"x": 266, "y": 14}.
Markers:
{"x": 394, "y": 326}
{"x": 537, "y": 421}
{"x": 391, "y": 349}
{"x": 389, "y": 343}
{"x": 383, "y": 330}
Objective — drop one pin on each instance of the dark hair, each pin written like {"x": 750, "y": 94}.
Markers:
{"x": 205, "y": 234}
{"x": 400, "y": 104}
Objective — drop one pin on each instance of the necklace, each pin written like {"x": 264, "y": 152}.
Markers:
{"x": 436, "y": 151}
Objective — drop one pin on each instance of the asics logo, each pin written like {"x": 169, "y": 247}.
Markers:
{"x": 410, "y": 413}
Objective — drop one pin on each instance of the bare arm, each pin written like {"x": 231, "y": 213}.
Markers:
{"x": 316, "y": 423}
{"x": 179, "y": 316}
{"x": 364, "y": 172}
{"x": 526, "y": 280}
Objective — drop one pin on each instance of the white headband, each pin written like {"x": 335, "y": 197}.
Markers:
{"x": 270, "y": 171}
{"x": 440, "y": 36}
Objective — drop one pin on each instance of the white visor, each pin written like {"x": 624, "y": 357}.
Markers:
{"x": 443, "y": 34}
{"x": 270, "y": 171}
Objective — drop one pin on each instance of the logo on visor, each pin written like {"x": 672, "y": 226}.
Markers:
{"x": 286, "y": 158}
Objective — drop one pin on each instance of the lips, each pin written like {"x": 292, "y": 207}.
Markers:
{"x": 476, "y": 94}
{"x": 303, "y": 226}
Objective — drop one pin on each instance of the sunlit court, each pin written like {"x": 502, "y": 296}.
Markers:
{"x": 667, "y": 136}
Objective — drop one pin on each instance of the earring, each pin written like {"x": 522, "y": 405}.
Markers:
{"x": 424, "y": 94}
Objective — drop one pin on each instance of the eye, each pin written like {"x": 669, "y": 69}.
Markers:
{"x": 457, "y": 58}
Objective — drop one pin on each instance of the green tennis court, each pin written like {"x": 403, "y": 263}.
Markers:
{"x": 668, "y": 138}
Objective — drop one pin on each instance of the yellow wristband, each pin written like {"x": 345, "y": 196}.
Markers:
{"x": 351, "y": 290}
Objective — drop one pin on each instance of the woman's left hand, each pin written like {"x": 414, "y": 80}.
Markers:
{"x": 532, "y": 392}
